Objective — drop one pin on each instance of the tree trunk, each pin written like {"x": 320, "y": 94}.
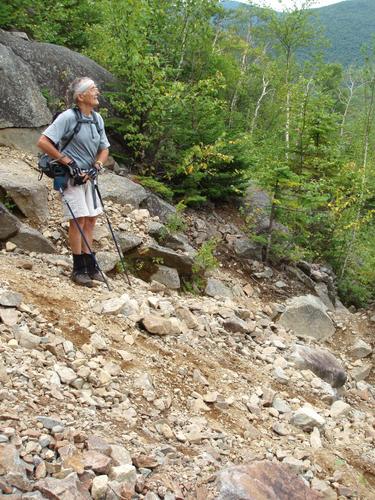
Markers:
{"x": 243, "y": 68}
{"x": 265, "y": 91}
{"x": 356, "y": 222}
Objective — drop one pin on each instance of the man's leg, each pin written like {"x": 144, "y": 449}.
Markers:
{"x": 88, "y": 231}
{"x": 92, "y": 268}
{"x": 75, "y": 238}
{"x": 79, "y": 274}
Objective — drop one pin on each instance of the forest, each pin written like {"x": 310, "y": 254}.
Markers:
{"x": 208, "y": 100}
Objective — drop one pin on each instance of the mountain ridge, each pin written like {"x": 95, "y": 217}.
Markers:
{"x": 347, "y": 25}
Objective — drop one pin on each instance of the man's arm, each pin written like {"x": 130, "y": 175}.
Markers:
{"x": 47, "y": 146}
{"x": 101, "y": 158}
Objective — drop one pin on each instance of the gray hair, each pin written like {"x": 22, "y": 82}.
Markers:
{"x": 77, "y": 86}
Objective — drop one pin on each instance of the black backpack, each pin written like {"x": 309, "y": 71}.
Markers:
{"x": 51, "y": 167}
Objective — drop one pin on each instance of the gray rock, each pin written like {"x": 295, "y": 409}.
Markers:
{"x": 360, "y": 349}
{"x": 107, "y": 261}
{"x": 148, "y": 257}
{"x": 123, "y": 304}
{"x": 167, "y": 276}
{"x": 175, "y": 242}
{"x": 121, "y": 190}
{"x": 30, "y": 239}
{"x": 22, "y": 104}
{"x": 99, "y": 487}
{"x": 48, "y": 422}
{"x": 323, "y": 293}
{"x": 22, "y": 186}
{"x": 236, "y": 325}
{"x": 306, "y": 316}
{"x": 25, "y": 338}
{"x": 280, "y": 405}
{"x": 155, "y": 229}
{"x": 10, "y": 299}
{"x": 128, "y": 242}
{"x": 361, "y": 372}
{"x": 307, "y": 418}
{"x": 42, "y": 66}
{"x": 322, "y": 363}
{"x": 216, "y": 288}
{"x": 247, "y": 249}
{"x": 339, "y": 409}
{"x": 161, "y": 326}
{"x": 66, "y": 374}
{"x": 159, "y": 207}
{"x": 257, "y": 206}
{"x": 9, "y": 224}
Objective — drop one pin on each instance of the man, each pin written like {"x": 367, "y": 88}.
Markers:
{"x": 83, "y": 153}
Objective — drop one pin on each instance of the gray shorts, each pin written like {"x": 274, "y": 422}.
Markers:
{"x": 81, "y": 201}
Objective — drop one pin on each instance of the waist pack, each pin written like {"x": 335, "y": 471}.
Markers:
{"x": 50, "y": 167}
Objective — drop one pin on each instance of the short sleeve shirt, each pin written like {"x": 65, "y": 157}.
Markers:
{"x": 85, "y": 145}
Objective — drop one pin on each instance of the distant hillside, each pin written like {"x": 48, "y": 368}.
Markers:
{"x": 348, "y": 25}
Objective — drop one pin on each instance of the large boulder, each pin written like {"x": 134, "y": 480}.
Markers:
{"x": 31, "y": 68}
{"x": 148, "y": 258}
{"x": 9, "y": 224}
{"x": 121, "y": 190}
{"x": 21, "y": 184}
{"x": 167, "y": 276}
{"x": 261, "y": 481}
{"x": 321, "y": 362}
{"x": 30, "y": 239}
{"x": 159, "y": 207}
{"x": 306, "y": 316}
{"x": 256, "y": 205}
{"x": 22, "y": 104}
{"x": 175, "y": 241}
{"x": 247, "y": 249}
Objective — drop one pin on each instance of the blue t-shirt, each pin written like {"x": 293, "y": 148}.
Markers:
{"x": 85, "y": 145}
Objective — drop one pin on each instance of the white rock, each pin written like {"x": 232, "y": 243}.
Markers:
{"x": 339, "y": 409}
{"x": 99, "y": 487}
{"x": 66, "y": 374}
{"x": 360, "y": 349}
{"x": 124, "y": 473}
{"x": 315, "y": 440}
{"x": 307, "y": 418}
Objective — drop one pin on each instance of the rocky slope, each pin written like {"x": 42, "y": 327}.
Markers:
{"x": 148, "y": 392}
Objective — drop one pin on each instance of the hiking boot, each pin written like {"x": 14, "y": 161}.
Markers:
{"x": 79, "y": 274}
{"x": 92, "y": 267}
{"x": 82, "y": 279}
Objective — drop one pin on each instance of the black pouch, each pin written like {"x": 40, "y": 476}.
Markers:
{"x": 50, "y": 167}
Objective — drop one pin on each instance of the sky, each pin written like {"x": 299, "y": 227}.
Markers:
{"x": 279, "y": 4}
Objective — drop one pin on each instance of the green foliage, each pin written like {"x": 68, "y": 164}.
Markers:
{"x": 7, "y": 201}
{"x": 175, "y": 222}
{"x": 205, "y": 260}
{"x": 60, "y": 22}
{"x": 156, "y": 186}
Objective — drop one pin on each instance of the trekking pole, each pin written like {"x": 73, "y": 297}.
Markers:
{"x": 84, "y": 238}
{"x": 112, "y": 233}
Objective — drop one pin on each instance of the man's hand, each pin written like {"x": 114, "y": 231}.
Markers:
{"x": 74, "y": 169}
{"x": 92, "y": 173}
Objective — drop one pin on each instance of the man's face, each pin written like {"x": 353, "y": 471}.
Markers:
{"x": 90, "y": 96}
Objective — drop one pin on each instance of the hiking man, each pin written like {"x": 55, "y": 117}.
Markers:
{"x": 85, "y": 151}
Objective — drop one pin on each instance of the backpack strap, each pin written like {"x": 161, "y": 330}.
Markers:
{"x": 78, "y": 125}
